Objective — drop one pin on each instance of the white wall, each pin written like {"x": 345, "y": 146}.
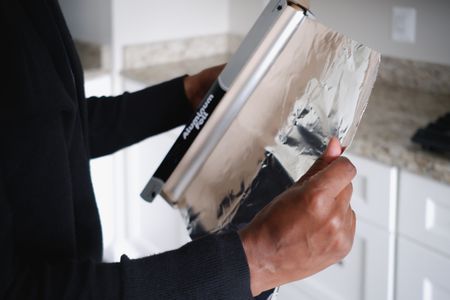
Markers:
{"x": 88, "y": 20}
{"x": 370, "y": 21}
{"x": 243, "y": 14}
{"x": 143, "y": 21}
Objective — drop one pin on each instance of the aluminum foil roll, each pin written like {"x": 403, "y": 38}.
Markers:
{"x": 317, "y": 87}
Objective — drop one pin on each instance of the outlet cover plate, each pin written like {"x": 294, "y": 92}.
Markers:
{"x": 404, "y": 22}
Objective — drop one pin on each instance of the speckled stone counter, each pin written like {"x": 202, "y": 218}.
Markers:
{"x": 393, "y": 116}
{"x": 94, "y": 59}
{"x": 163, "y": 72}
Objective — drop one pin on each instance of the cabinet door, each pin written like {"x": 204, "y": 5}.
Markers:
{"x": 375, "y": 192}
{"x": 424, "y": 211}
{"x": 131, "y": 85}
{"x": 99, "y": 85}
{"x": 150, "y": 227}
{"x": 422, "y": 274}
{"x": 104, "y": 172}
{"x": 363, "y": 275}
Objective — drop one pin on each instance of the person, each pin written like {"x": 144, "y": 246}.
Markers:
{"x": 50, "y": 234}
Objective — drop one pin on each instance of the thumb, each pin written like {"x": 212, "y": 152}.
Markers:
{"x": 332, "y": 152}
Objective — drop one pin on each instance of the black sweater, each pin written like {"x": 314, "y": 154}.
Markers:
{"x": 50, "y": 235}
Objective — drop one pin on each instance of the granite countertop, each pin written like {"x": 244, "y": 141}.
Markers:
{"x": 94, "y": 59}
{"x": 163, "y": 72}
{"x": 393, "y": 116}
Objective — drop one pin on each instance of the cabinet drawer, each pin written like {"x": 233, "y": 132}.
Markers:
{"x": 424, "y": 211}
{"x": 421, "y": 273}
{"x": 375, "y": 192}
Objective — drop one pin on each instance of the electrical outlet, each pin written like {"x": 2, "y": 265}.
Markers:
{"x": 404, "y": 21}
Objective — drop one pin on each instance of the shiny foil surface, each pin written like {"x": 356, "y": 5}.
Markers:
{"x": 317, "y": 87}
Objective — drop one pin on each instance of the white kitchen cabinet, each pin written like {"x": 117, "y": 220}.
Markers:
{"x": 151, "y": 227}
{"x": 422, "y": 274}
{"x": 148, "y": 228}
{"x": 131, "y": 85}
{"x": 98, "y": 84}
{"x": 375, "y": 192}
{"x": 104, "y": 173}
{"x": 424, "y": 211}
{"x": 368, "y": 271}
{"x": 363, "y": 275}
{"x": 130, "y": 225}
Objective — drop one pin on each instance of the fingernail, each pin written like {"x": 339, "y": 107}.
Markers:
{"x": 334, "y": 148}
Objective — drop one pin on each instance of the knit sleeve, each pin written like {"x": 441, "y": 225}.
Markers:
{"x": 210, "y": 268}
{"x": 38, "y": 255}
{"x": 118, "y": 122}
{"x": 214, "y": 267}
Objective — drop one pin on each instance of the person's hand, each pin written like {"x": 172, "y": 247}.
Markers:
{"x": 196, "y": 86}
{"x": 306, "y": 229}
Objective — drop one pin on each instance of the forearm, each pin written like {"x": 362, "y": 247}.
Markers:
{"x": 118, "y": 122}
{"x": 214, "y": 267}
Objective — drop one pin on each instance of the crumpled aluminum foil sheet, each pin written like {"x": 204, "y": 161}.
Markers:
{"x": 317, "y": 88}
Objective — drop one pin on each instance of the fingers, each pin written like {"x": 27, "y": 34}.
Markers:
{"x": 211, "y": 74}
{"x": 350, "y": 230}
{"x": 343, "y": 203}
{"x": 351, "y": 227}
{"x": 344, "y": 198}
{"x": 353, "y": 220}
{"x": 332, "y": 180}
{"x": 196, "y": 86}
{"x": 333, "y": 151}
